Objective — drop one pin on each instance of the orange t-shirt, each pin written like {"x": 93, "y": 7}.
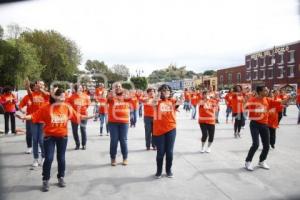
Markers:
{"x": 237, "y": 103}
{"x": 259, "y": 108}
{"x": 98, "y": 93}
{"x": 26, "y": 102}
{"x": 9, "y": 102}
{"x": 79, "y": 102}
{"x": 148, "y": 107}
{"x": 164, "y": 119}
{"x": 194, "y": 99}
{"x": 55, "y": 118}
{"x": 298, "y": 96}
{"x": 102, "y": 105}
{"x": 118, "y": 110}
{"x": 38, "y": 100}
{"x": 228, "y": 98}
{"x": 273, "y": 115}
{"x": 187, "y": 96}
{"x": 207, "y": 110}
{"x": 134, "y": 104}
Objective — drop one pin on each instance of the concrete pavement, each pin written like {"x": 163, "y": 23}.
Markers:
{"x": 217, "y": 175}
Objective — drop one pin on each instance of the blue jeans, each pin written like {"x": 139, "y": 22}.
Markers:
{"x": 61, "y": 146}
{"x": 28, "y": 133}
{"x": 37, "y": 139}
{"x": 165, "y": 145}
{"x": 118, "y": 132}
{"x": 82, "y": 130}
{"x": 148, "y": 121}
{"x": 194, "y": 111}
{"x": 133, "y": 117}
{"x": 103, "y": 118}
{"x": 140, "y": 110}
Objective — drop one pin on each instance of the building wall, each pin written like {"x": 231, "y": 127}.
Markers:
{"x": 260, "y": 70}
{"x": 228, "y": 77}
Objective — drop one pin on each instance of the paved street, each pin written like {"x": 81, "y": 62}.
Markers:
{"x": 217, "y": 175}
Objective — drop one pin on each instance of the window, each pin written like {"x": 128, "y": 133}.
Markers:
{"x": 238, "y": 77}
{"x": 221, "y": 79}
{"x": 229, "y": 78}
{"x": 255, "y": 75}
{"x": 291, "y": 71}
{"x": 281, "y": 60}
{"x": 280, "y": 72}
{"x": 255, "y": 64}
{"x": 270, "y": 73}
{"x": 248, "y": 64}
{"x": 264, "y": 60}
{"x": 262, "y": 74}
{"x": 270, "y": 58}
{"x": 248, "y": 75}
{"x": 292, "y": 56}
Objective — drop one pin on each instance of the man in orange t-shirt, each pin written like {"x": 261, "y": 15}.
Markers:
{"x": 9, "y": 100}
{"x": 80, "y": 102}
{"x": 259, "y": 108}
{"x": 134, "y": 106}
{"x": 237, "y": 105}
{"x": 148, "y": 117}
{"x": 195, "y": 97}
{"x": 164, "y": 128}
{"x": 228, "y": 98}
{"x": 187, "y": 100}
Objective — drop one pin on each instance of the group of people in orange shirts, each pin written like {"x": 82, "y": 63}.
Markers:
{"x": 48, "y": 112}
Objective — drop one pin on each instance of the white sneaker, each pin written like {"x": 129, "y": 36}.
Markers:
{"x": 35, "y": 163}
{"x": 202, "y": 150}
{"x": 28, "y": 151}
{"x": 208, "y": 150}
{"x": 263, "y": 165}
{"x": 248, "y": 166}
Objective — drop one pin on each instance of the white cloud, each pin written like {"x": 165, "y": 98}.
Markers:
{"x": 152, "y": 34}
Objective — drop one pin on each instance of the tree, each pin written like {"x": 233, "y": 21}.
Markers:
{"x": 1, "y": 32}
{"x": 95, "y": 66}
{"x": 139, "y": 82}
{"x": 58, "y": 54}
{"x": 209, "y": 73}
{"x": 121, "y": 70}
{"x": 18, "y": 60}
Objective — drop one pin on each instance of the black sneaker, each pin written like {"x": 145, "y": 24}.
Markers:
{"x": 45, "y": 186}
{"x": 61, "y": 182}
{"x": 158, "y": 175}
{"x": 272, "y": 146}
{"x": 170, "y": 175}
{"x": 77, "y": 148}
{"x": 83, "y": 148}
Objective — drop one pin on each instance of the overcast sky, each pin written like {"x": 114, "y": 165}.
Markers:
{"x": 151, "y": 34}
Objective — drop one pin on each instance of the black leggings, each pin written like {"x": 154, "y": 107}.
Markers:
{"x": 272, "y": 136}
{"x": 238, "y": 122}
{"x": 257, "y": 130}
{"x": 207, "y": 130}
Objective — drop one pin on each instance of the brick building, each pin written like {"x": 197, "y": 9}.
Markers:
{"x": 274, "y": 67}
{"x": 231, "y": 76}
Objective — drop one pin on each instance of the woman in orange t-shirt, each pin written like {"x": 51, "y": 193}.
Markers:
{"x": 148, "y": 117}
{"x": 8, "y": 100}
{"x": 207, "y": 120}
{"x": 187, "y": 100}
{"x": 103, "y": 107}
{"x": 134, "y": 106}
{"x": 164, "y": 128}
{"x": 55, "y": 116}
{"x": 80, "y": 102}
{"x": 237, "y": 105}
{"x": 118, "y": 119}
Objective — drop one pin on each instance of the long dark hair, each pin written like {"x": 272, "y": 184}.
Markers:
{"x": 165, "y": 87}
{"x": 57, "y": 93}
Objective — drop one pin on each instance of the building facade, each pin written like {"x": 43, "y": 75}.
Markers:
{"x": 231, "y": 76}
{"x": 274, "y": 67}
